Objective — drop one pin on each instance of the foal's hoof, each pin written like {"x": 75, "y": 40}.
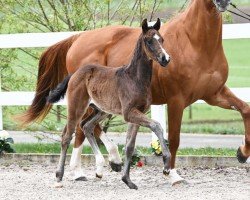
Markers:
{"x": 115, "y": 167}
{"x": 241, "y": 158}
{"x": 58, "y": 185}
{"x": 132, "y": 186}
{"x": 129, "y": 184}
{"x": 98, "y": 176}
{"x": 81, "y": 178}
{"x": 166, "y": 172}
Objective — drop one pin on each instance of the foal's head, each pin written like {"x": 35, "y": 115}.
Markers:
{"x": 152, "y": 41}
{"x": 222, "y": 5}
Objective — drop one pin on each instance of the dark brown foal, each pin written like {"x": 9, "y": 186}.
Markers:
{"x": 121, "y": 91}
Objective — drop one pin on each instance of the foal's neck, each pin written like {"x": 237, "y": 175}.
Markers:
{"x": 140, "y": 66}
{"x": 203, "y": 23}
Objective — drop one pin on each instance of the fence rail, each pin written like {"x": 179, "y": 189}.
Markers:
{"x": 34, "y": 40}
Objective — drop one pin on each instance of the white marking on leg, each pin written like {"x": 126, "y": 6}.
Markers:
{"x": 248, "y": 160}
{"x": 174, "y": 177}
{"x": 111, "y": 148}
{"x": 75, "y": 163}
{"x": 100, "y": 162}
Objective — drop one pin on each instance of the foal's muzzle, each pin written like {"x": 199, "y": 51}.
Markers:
{"x": 163, "y": 60}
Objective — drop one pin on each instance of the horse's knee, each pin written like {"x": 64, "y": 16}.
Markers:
{"x": 156, "y": 127}
{"x": 88, "y": 130}
{"x": 246, "y": 111}
{"x": 66, "y": 140}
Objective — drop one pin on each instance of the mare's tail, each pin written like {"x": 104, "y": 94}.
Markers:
{"x": 51, "y": 71}
{"x": 59, "y": 92}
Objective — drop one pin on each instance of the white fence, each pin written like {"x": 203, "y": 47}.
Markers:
{"x": 31, "y": 40}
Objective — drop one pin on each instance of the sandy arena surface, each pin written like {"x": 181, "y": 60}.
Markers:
{"x": 36, "y": 182}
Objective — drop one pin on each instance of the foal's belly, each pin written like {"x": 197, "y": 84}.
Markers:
{"x": 109, "y": 105}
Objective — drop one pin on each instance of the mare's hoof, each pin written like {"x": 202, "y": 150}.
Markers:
{"x": 58, "y": 185}
{"x": 115, "y": 167}
{"x": 98, "y": 176}
{"x": 129, "y": 184}
{"x": 81, "y": 178}
{"x": 241, "y": 158}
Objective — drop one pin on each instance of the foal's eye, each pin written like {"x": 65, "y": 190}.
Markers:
{"x": 149, "y": 42}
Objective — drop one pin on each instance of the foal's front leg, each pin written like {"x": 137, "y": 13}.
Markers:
{"x": 136, "y": 117}
{"x": 129, "y": 150}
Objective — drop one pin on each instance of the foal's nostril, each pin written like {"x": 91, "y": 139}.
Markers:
{"x": 163, "y": 59}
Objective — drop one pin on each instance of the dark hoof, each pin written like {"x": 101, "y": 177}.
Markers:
{"x": 98, "y": 176}
{"x": 241, "y": 157}
{"x": 116, "y": 167}
{"x": 129, "y": 184}
{"x": 166, "y": 172}
{"x": 82, "y": 178}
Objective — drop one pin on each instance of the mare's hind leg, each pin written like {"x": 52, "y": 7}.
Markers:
{"x": 115, "y": 160}
{"x": 136, "y": 117}
{"x": 129, "y": 150}
{"x": 75, "y": 161}
{"x": 75, "y": 112}
{"x": 88, "y": 129}
{"x": 226, "y": 99}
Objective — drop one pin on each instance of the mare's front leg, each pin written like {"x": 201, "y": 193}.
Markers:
{"x": 175, "y": 112}
{"x": 129, "y": 150}
{"x": 226, "y": 99}
{"x": 137, "y": 117}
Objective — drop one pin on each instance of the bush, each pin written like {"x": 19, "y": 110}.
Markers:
{"x": 5, "y": 143}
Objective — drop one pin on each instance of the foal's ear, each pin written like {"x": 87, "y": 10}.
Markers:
{"x": 144, "y": 26}
{"x": 157, "y": 25}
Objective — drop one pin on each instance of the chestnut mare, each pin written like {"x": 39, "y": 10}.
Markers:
{"x": 121, "y": 91}
{"x": 198, "y": 70}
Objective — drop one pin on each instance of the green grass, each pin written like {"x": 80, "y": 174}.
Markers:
{"x": 55, "y": 149}
{"x": 237, "y": 53}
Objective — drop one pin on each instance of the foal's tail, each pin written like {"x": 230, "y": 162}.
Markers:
{"x": 59, "y": 92}
{"x": 51, "y": 71}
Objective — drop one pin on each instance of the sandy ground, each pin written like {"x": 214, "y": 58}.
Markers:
{"x": 36, "y": 182}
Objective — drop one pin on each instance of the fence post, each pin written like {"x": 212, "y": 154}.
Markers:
{"x": 1, "y": 110}
{"x": 158, "y": 113}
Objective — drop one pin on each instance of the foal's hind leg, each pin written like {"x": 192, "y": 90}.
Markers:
{"x": 129, "y": 150}
{"x": 88, "y": 129}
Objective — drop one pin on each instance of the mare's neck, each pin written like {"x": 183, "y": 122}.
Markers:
{"x": 140, "y": 66}
{"x": 203, "y": 24}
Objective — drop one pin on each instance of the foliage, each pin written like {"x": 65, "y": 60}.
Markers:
{"x": 5, "y": 143}
{"x": 156, "y": 147}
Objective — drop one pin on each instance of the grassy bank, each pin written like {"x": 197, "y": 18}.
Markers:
{"x": 55, "y": 149}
